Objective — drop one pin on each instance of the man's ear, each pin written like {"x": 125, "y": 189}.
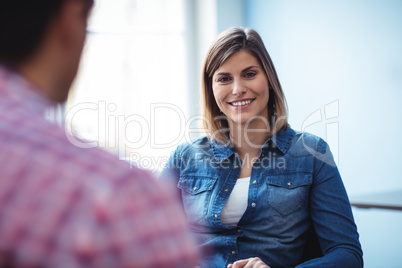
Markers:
{"x": 71, "y": 23}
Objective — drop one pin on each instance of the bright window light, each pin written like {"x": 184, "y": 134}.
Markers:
{"x": 130, "y": 96}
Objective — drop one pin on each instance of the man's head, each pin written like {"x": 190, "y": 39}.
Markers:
{"x": 43, "y": 39}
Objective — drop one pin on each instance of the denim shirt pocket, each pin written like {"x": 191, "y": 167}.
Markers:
{"x": 288, "y": 193}
{"x": 196, "y": 194}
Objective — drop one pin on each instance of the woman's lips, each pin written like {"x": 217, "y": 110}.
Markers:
{"x": 241, "y": 104}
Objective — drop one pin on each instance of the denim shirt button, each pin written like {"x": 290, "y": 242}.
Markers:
{"x": 239, "y": 230}
{"x": 254, "y": 181}
{"x": 195, "y": 188}
{"x": 216, "y": 216}
{"x": 226, "y": 190}
{"x": 289, "y": 183}
{"x": 233, "y": 252}
{"x": 253, "y": 204}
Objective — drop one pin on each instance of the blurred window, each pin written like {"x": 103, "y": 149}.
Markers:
{"x": 130, "y": 96}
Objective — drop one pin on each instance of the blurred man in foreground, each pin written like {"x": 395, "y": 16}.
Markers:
{"x": 62, "y": 206}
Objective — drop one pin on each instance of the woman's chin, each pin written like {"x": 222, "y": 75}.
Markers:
{"x": 249, "y": 121}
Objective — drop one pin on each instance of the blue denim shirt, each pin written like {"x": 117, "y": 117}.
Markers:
{"x": 294, "y": 185}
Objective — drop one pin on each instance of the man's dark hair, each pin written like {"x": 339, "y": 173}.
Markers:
{"x": 23, "y": 24}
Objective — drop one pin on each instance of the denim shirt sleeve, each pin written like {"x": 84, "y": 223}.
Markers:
{"x": 171, "y": 173}
{"x": 332, "y": 216}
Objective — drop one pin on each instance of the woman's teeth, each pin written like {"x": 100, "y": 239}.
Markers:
{"x": 241, "y": 103}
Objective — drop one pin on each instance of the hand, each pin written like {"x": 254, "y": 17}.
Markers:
{"x": 249, "y": 263}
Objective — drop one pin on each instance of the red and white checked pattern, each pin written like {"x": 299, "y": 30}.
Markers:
{"x": 63, "y": 206}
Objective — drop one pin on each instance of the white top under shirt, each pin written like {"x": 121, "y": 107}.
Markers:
{"x": 236, "y": 204}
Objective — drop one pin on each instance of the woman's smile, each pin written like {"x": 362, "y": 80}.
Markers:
{"x": 241, "y": 104}
{"x": 241, "y": 88}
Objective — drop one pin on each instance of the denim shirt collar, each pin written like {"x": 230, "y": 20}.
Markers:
{"x": 280, "y": 140}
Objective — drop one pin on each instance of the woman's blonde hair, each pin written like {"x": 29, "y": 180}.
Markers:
{"x": 225, "y": 45}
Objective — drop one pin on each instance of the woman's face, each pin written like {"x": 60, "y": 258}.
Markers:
{"x": 241, "y": 88}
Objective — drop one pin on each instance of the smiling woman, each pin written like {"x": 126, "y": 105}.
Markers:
{"x": 244, "y": 209}
{"x": 241, "y": 89}
{"x": 255, "y": 62}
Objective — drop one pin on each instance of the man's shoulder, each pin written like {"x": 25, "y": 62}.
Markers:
{"x": 40, "y": 143}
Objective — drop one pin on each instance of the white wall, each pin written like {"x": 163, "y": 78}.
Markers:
{"x": 201, "y": 31}
{"x": 230, "y": 14}
{"x": 350, "y": 53}
{"x": 346, "y": 51}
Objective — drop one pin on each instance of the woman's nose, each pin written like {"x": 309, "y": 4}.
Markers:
{"x": 238, "y": 88}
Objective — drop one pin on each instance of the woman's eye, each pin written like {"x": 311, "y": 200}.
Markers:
{"x": 224, "y": 79}
{"x": 250, "y": 75}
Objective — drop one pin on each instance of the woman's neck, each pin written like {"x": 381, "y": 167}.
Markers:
{"x": 247, "y": 140}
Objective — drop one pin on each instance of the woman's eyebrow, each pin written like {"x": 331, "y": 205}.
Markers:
{"x": 221, "y": 73}
{"x": 244, "y": 70}
{"x": 248, "y": 68}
